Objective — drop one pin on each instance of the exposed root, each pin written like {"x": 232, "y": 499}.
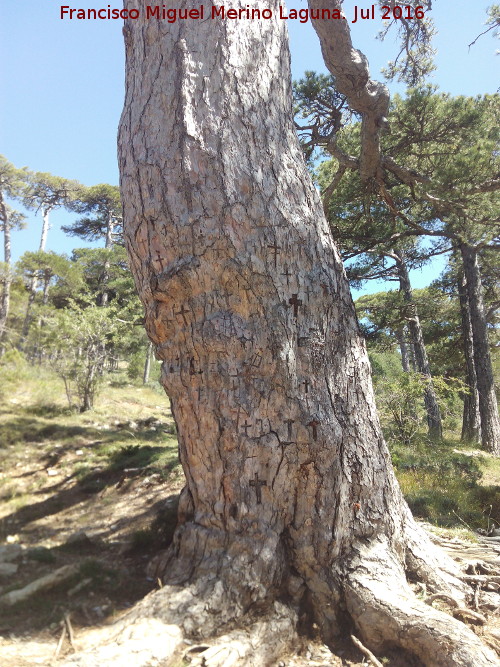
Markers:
{"x": 154, "y": 631}
{"x": 431, "y": 565}
{"x": 259, "y": 630}
{"x": 458, "y": 610}
{"x": 260, "y": 644}
{"x": 387, "y": 613}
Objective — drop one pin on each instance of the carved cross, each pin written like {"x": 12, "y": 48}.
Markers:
{"x": 314, "y": 423}
{"x": 257, "y": 483}
{"x": 306, "y": 386}
{"x": 277, "y": 249}
{"x": 183, "y": 312}
{"x": 287, "y": 275}
{"x": 245, "y": 427}
{"x": 295, "y": 302}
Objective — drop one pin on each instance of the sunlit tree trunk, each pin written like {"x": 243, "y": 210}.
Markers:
{"x": 290, "y": 492}
{"x": 488, "y": 408}
{"x": 7, "y": 278}
{"x": 422, "y": 363}
{"x": 471, "y": 422}
{"x": 45, "y": 228}
{"x": 147, "y": 364}
{"x": 403, "y": 348}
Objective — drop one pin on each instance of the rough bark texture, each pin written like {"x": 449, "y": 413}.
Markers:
{"x": 471, "y": 422}
{"x": 290, "y": 492}
{"x": 422, "y": 363}
{"x": 488, "y": 408}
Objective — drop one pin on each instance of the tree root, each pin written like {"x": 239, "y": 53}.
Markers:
{"x": 387, "y": 614}
{"x": 257, "y": 630}
{"x": 155, "y": 630}
{"x": 261, "y": 644}
{"x": 458, "y": 610}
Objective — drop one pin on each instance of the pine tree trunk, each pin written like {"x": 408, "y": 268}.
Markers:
{"x": 110, "y": 227}
{"x": 471, "y": 422}
{"x": 108, "y": 244}
{"x": 422, "y": 363}
{"x": 147, "y": 364}
{"x": 403, "y": 348}
{"x": 488, "y": 408}
{"x": 7, "y": 279}
{"x": 290, "y": 492}
{"x": 45, "y": 229}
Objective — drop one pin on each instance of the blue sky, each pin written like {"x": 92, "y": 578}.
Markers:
{"x": 62, "y": 85}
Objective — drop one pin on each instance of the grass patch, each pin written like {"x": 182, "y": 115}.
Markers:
{"x": 444, "y": 486}
{"x": 41, "y": 555}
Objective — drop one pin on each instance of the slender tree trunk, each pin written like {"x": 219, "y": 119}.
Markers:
{"x": 108, "y": 245}
{"x": 7, "y": 279}
{"x": 147, "y": 364}
{"x": 27, "y": 315}
{"x": 403, "y": 348}
{"x": 413, "y": 363}
{"x": 35, "y": 279}
{"x": 471, "y": 422}
{"x": 422, "y": 363}
{"x": 45, "y": 229}
{"x": 109, "y": 232}
{"x": 488, "y": 408}
{"x": 290, "y": 492}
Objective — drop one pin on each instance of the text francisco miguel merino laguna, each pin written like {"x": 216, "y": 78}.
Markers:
{"x": 173, "y": 14}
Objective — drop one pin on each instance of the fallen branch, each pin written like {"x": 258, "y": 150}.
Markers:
{"x": 71, "y": 635}
{"x": 48, "y": 581}
{"x": 60, "y": 642}
{"x": 366, "y": 652}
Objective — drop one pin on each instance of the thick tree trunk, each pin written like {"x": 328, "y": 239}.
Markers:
{"x": 422, "y": 363}
{"x": 290, "y": 492}
{"x": 471, "y": 422}
{"x": 7, "y": 279}
{"x": 488, "y": 408}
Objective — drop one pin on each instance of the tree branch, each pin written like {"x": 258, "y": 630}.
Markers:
{"x": 350, "y": 69}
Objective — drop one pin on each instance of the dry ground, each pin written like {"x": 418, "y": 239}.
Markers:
{"x": 98, "y": 491}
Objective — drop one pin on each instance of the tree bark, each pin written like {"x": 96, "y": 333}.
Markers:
{"x": 7, "y": 279}
{"x": 147, "y": 364}
{"x": 431, "y": 405}
{"x": 403, "y": 348}
{"x": 471, "y": 422}
{"x": 45, "y": 229}
{"x": 488, "y": 408}
{"x": 108, "y": 244}
{"x": 290, "y": 492}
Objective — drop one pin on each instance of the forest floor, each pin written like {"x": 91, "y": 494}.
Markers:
{"x": 89, "y": 498}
